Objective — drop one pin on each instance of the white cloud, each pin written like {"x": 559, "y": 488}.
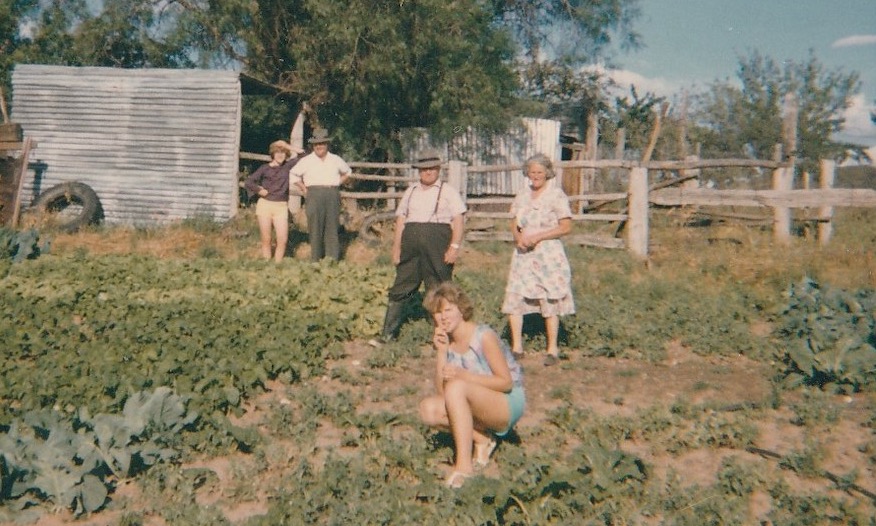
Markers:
{"x": 855, "y": 40}
{"x": 660, "y": 86}
{"x": 858, "y": 127}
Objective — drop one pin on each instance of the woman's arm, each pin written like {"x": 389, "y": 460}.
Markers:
{"x": 254, "y": 180}
{"x": 501, "y": 379}
{"x": 518, "y": 235}
{"x": 564, "y": 226}
{"x": 440, "y": 343}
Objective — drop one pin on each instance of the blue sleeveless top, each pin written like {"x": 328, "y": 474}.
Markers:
{"x": 474, "y": 360}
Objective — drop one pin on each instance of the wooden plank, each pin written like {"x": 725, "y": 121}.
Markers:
{"x": 574, "y": 239}
{"x": 843, "y": 197}
{"x": 9, "y": 146}
{"x": 575, "y": 217}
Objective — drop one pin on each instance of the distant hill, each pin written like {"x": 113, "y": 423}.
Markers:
{"x": 856, "y": 177}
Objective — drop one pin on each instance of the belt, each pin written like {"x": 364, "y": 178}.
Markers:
{"x": 323, "y": 186}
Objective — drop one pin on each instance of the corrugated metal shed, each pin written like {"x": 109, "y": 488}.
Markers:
{"x": 514, "y": 147}
{"x": 156, "y": 145}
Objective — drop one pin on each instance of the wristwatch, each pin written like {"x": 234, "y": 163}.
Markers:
{"x": 454, "y": 245}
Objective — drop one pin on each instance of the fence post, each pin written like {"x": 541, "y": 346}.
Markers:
{"x": 457, "y": 177}
{"x": 588, "y": 175}
{"x": 637, "y": 227}
{"x": 825, "y": 213}
{"x": 781, "y": 215}
{"x": 783, "y": 178}
{"x": 693, "y": 183}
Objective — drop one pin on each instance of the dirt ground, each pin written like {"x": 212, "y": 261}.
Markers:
{"x": 605, "y": 386}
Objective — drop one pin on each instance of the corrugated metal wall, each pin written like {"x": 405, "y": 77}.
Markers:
{"x": 531, "y": 137}
{"x": 156, "y": 145}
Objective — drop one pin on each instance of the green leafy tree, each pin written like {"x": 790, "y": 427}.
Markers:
{"x": 369, "y": 69}
{"x": 12, "y": 14}
{"x": 366, "y": 68}
{"x": 573, "y": 32}
{"x": 556, "y": 39}
{"x": 747, "y": 119}
{"x": 637, "y": 115}
{"x": 129, "y": 34}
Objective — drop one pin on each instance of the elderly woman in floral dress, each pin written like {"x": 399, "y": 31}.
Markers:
{"x": 540, "y": 279}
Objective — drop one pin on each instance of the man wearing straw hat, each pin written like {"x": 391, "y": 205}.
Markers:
{"x": 319, "y": 176}
{"x": 428, "y": 233}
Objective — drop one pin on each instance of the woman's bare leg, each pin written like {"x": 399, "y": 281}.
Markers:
{"x": 265, "y": 223}
{"x": 433, "y": 413}
{"x": 281, "y": 225}
{"x": 515, "y": 322}
{"x": 552, "y": 328}
{"x": 471, "y": 407}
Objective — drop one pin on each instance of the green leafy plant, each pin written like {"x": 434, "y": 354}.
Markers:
{"x": 66, "y": 461}
{"x": 830, "y": 336}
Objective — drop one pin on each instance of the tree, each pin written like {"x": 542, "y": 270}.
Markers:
{"x": 570, "y": 31}
{"x": 125, "y": 33}
{"x": 367, "y": 68}
{"x": 747, "y": 120}
{"x": 371, "y": 68}
{"x": 12, "y": 14}
{"x": 556, "y": 39}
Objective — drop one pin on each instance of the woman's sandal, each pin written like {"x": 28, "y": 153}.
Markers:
{"x": 483, "y": 453}
{"x": 456, "y": 479}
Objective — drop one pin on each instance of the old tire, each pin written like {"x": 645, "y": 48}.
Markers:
{"x": 68, "y": 207}
{"x": 374, "y": 227}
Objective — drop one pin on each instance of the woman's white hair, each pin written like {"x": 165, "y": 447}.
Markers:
{"x": 543, "y": 160}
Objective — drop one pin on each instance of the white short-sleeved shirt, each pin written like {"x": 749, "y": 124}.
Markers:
{"x": 320, "y": 172}
{"x": 418, "y": 204}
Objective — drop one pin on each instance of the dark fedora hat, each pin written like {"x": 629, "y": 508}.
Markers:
{"x": 428, "y": 158}
{"x": 320, "y": 135}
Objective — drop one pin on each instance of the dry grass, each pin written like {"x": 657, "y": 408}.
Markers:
{"x": 744, "y": 253}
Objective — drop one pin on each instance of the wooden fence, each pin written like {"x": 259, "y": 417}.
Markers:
{"x": 683, "y": 189}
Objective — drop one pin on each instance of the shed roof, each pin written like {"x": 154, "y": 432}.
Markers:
{"x": 156, "y": 145}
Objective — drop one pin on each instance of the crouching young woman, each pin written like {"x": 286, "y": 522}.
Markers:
{"x": 479, "y": 383}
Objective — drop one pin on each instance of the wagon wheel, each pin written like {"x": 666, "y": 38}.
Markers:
{"x": 67, "y": 207}
{"x": 377, "y": 226}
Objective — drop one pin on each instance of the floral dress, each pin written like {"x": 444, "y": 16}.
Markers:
{"x": 540, "y": 280}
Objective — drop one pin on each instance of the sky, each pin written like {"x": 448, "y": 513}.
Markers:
{"x": 691, "y": 43}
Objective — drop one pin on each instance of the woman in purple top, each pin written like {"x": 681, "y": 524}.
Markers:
{"x": 271, "y": 183}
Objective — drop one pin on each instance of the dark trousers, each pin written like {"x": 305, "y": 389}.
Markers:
{"x": 323, "y": 220}
{"x": 422, "y": 259}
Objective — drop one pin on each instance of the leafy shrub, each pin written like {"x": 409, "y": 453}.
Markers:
{"x": 66, "y": 461}
{"x": 17, "y": 246}
{"x": 830, "y": 336}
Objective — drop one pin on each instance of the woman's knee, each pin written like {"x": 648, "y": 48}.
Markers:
{"x": 455, "y": 391}
{"x": 432, "y": 411}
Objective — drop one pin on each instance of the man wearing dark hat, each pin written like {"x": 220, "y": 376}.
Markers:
{"x": 428, "y": 234}
{"x": 319, "y": 176}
